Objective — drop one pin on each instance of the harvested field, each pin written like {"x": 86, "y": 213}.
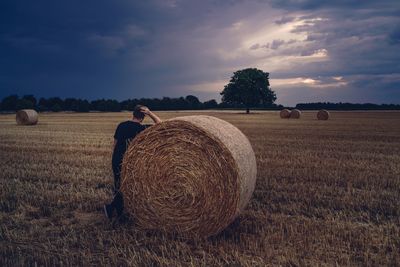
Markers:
{"x": 327, "y": 193}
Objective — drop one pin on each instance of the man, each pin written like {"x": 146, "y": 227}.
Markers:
{"x": 124, "y": 134}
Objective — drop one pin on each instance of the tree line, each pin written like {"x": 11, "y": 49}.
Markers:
{"x": 55, "y": 104}
{"x": 190, "y": 102}
{"x": 14, "y": 102}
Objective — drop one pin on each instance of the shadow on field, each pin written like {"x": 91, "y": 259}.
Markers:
{"x": 246, "y": 224}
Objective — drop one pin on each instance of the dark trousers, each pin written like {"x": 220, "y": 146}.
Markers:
{"x": 118, "y": 200}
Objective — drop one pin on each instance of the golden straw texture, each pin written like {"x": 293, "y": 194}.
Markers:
{"x": 323, "y": 115}
{"x": 295, "y": 114}
{"x": 190, "y": 176}
{"x": 285, "y": 113}
{"x": 27, "y": 117}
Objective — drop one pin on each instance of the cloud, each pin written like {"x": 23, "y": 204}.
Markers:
{"x": 394, "y": 37}
{"x": 276, "y": 44}
{"x": 340, "y": 5}
{"x": 284, "y": 20}
{"x": 118, "y": 42}
{"x": 109, "y": 44}
{"x": 255, "y": 46}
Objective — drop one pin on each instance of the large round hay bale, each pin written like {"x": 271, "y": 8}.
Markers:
{"x": 27, "y": 117}
{"x": 323, "y": 115}
{"x": 295, "y": 114}
{"x": 190, "y": 176}
{"x": 285, "y": 114}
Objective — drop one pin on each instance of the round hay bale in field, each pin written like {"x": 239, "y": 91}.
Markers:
{"x": 295, "y": 114}
{"x": 27, "y": 117}
{"x": 323, "y": 115}
{"x": 285, "y": 114}
{"x": 190, "y": 176}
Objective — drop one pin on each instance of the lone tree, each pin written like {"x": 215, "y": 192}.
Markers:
{"x": 248, "y": 87}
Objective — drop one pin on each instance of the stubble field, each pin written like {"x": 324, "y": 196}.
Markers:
{"x": 327, "y": 194}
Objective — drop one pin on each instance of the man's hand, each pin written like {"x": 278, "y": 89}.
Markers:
{"x": 145, "y": 110}
{"x": 153, "y": 116}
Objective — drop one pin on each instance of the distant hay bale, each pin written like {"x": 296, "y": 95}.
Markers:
{"x": 285, "y": 113}
{"x": 190, "y": 176}
{"x": 323, "y": 115}
{"x": 27, "y": 117}
{"x": 295, "y": 114}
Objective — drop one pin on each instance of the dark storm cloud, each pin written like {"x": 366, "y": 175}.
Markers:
{"x": 156, "y": 48}
{"x": 394, "y": 37}
{"x": 100, "y": 48}
{"x": 46, "y": 45}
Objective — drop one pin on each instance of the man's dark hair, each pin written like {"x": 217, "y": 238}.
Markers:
{"x": 137, "y": 113}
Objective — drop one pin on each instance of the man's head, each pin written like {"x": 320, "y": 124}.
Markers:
{"x": 137, "y": 113}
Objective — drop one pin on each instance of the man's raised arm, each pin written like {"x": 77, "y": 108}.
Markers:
{"x": 153, "y": 116}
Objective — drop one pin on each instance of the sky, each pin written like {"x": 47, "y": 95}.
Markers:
{"x": 315, "y": 51}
